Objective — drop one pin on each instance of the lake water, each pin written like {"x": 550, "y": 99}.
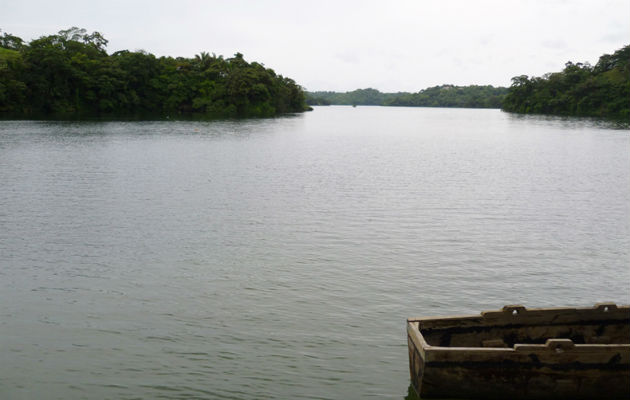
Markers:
{"x": 279, "y": 258}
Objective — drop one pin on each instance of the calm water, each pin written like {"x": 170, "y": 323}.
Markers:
{"x": 279, "y": 258}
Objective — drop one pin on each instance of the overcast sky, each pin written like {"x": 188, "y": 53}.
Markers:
{"x": 344, "y": 45}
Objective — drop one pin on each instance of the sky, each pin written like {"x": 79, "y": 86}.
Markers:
{"x": 344, "y": 45}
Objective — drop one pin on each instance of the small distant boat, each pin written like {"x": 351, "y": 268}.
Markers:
{"x": 520, "y": 353}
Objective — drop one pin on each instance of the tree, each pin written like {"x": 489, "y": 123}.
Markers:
{"x": 70, "y": 73}
{"x": 9, "y": 41}
{"x": 579, "y": 89}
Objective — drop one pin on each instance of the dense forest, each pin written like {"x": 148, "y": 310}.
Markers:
{"x": 438, "y": 96}
{"x": 363, "y": 97}
{"x": 580, "y": 89}
{"x": 453, "y": 96}
{"x": 71, "y": 74}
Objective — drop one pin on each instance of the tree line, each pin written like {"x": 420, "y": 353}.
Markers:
{"x": 70, "y": 73}
{"x": 363, "y": 97}
{"x": 580, "y": 89}
{"x": 472, "y": 96}
{"x": 438, "y": 96}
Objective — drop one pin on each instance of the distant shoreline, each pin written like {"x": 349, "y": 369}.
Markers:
{"x": 580, "y": 90}
{"x": 473, "y": 96}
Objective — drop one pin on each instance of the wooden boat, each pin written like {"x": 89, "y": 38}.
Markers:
{"x": 520, "y": 353}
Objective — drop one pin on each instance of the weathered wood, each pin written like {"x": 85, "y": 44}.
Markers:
{"x": 556, "y": 353}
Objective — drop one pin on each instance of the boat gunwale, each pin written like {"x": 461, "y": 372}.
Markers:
{"x": 489, "y": 316}
{"x": 613, "y": 313}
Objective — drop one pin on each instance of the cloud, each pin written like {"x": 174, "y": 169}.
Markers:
{"x": 616, "y": 37}
{"x": 348, "y": 57}
{"x": 554, "y": 44}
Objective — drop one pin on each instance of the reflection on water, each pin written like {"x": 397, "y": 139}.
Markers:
{"x": 565, "y": 122}
{"x": 280, "y": 258}
{"x": 411, "y": 394}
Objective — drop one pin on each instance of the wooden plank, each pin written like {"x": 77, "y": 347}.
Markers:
{"x": 507, "y": 316}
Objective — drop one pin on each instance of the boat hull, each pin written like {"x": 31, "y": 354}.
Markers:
{"x": 533, "y": 367}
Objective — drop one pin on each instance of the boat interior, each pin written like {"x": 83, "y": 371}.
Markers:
{"x": 603, "y": 325}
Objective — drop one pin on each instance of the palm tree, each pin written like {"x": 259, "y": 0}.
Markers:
{"x": 203, "y": 60}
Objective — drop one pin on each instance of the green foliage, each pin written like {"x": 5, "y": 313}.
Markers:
{"x": 8, "y": 41}
{"x": 438, "y": 96}
{"x": 12, "y": 89}
{"x": 70, "y": 73}
{"x": 7, "y": 55}
{"x": 580, "y": 89}
{"x": 453, "y": 96}
{"x": 314, "y": 100}
{"x": 364, "y": 97}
